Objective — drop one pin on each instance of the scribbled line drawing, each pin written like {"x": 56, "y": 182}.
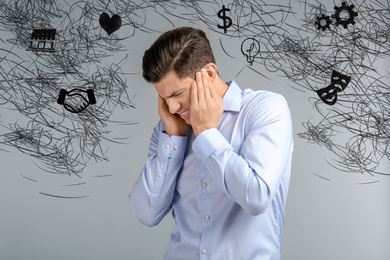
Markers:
{"x": 344, "y": 43}
{"x": 261, "y": 21}
{"x": 237, "y": 20}
{"x": 358, "y": 46}
{"x": 62, "y": 197}
{"x": 65, "y": 64}
{"x": 68, "y": 43}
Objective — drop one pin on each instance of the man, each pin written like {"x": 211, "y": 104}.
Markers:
{"x": 219, "y": 158}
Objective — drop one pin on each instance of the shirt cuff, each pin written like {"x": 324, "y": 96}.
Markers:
{"x": 207, "y": 142}
{"x": 171, "y": 147}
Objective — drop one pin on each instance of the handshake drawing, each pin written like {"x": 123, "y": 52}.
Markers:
{"x": 76, "y": 100}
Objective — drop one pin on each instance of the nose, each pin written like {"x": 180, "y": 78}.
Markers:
{"x": 173, "y": 105}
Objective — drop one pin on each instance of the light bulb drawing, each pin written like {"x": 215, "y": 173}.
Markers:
{"x": 250, "y": 47}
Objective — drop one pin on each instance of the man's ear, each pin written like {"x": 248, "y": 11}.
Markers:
{"x": 211, "y": 70}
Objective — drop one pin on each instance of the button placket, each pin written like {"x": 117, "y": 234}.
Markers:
{"x": 205, "y": 204}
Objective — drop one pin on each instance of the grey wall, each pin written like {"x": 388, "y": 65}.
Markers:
{"x": 65, "y": 177}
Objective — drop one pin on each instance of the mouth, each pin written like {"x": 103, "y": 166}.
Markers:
{"x": 185, "y": 114}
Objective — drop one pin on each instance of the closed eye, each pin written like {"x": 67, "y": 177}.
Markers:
{"x": 174, "y": 94}
{"x": 178, "y": 94}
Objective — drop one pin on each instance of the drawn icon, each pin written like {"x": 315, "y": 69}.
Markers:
{"x": 339, "y": 80}
{"x": 328, "y": 94}
{"x": 250, "y": 47}
{"x": 42, "y": 40}
{"x": 110, "y": 25}
{"x": 222, "y": 14}
{"x": 75, "y": 101}
{"x": 338, "y": 83}
{"x": 323, "y": 22}
{"x": 344, "y": 15}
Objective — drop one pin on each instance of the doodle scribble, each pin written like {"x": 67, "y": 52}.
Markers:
{"x": 55, "y": 80}
{"x": 64, "y": 66}
{"x": 346, "y": 44}
{"x": 361, "y": 114}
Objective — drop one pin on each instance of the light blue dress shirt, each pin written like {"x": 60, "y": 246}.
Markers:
{"x": 227, "y": 187}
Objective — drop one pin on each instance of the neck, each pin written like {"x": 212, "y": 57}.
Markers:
{"x": 220, "y": 86}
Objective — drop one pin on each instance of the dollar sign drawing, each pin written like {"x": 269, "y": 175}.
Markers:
{"x": 221, "y": 14}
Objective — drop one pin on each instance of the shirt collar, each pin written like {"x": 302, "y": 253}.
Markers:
{"x": 232, "y": 98}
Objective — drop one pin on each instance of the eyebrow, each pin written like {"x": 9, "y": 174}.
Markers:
{"x": 175, "y": 93}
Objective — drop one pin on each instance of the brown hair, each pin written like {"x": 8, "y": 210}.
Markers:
{"x": 185, "y": 50}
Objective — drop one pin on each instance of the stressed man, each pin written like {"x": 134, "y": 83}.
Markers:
{"x": 219, "y": 158}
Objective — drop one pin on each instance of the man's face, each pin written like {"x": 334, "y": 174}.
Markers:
{"x": 177, "y": 94}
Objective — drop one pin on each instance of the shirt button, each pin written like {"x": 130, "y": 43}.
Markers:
{"x": 167, "y": 146}
{"x": 176, "y": 147}
{"x": 204, "y": 251}
{"x": 161, "y": 175}
{"x": 207, "y": 217}
{"x": 204, "y": 185}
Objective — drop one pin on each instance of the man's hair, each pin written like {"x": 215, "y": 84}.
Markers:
{"x": 185, "y": 50}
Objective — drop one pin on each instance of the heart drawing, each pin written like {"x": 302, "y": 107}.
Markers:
{"x": 110, "y": 25}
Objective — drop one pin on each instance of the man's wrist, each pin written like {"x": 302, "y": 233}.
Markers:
{"x": 170, "y": 133}
{"x": 198, "y": 131}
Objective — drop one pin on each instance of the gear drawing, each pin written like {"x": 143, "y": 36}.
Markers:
{"x": 344, "y": 14}
{"x": 323, "y": 22}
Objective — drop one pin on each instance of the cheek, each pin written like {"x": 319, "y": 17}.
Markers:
{"x": 188, "y": 101}
{"x": 188, "y": 96}
{"x": 185, "y": 101}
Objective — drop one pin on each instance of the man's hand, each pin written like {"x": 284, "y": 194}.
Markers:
{"x": 206, "y": 104}
{"x": 173, "y": 123}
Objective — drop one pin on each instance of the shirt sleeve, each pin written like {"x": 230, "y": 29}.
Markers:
{"x": 251, "y": 175}
{"x": 152, "y": 194}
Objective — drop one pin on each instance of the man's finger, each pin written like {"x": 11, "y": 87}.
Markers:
{"x": 194, "y": 93}
{"x": 162, "y": 105}
{"x": 200, "y": 87}
{"x": 206, "y": 84}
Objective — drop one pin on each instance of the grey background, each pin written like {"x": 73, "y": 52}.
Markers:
{"x": 336, "y": 216}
